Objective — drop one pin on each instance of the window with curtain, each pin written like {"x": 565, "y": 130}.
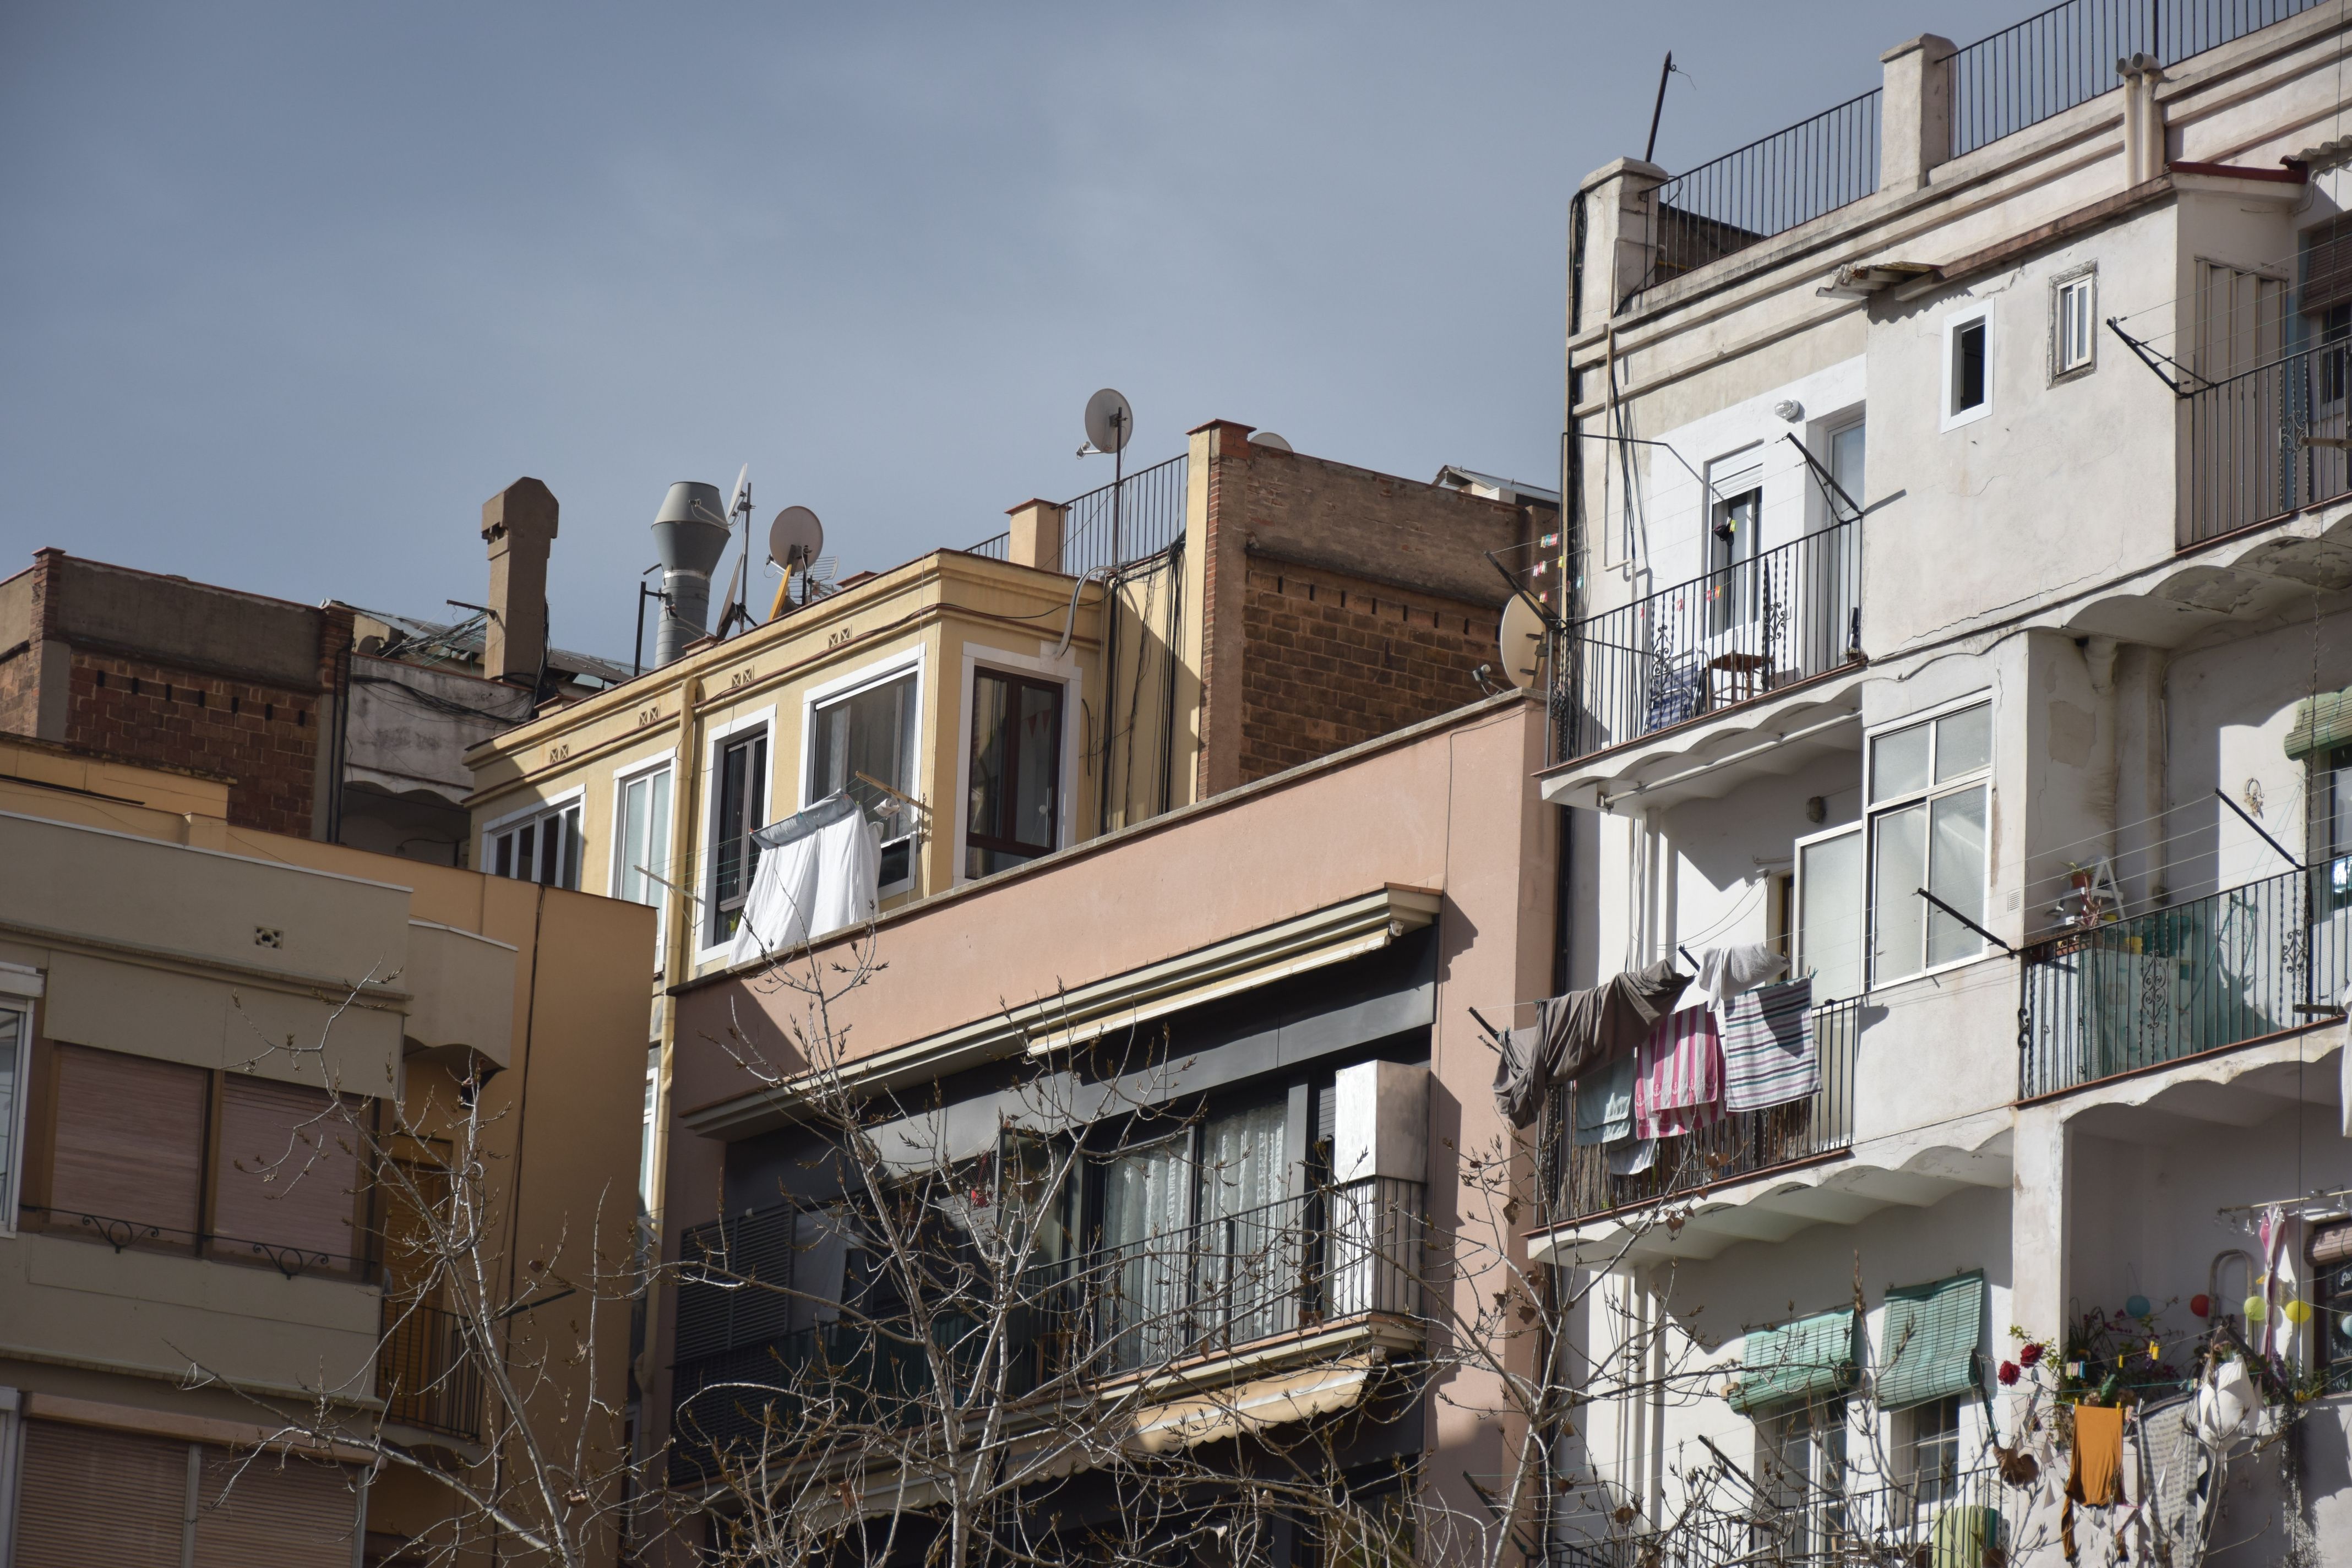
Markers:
{"x": 543, "y": 849}
{"x": 1930, "y": 788}
{"x": 741, "y": 790}
{"x": 1015, "y": 783}
{"x": 644, "y": 836}
{"x": 287, "y": 1176}
{"x": 1146, "y": 1208}
{"x": 864, "y": 746}
{"x": 128, "y": 1146}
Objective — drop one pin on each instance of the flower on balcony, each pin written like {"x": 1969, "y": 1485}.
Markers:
{"x": 2009, "y": 1374}
{"x": 2028, "y": 1353}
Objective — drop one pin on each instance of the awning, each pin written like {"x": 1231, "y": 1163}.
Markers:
{"x": 2321, "y": 723}
{"x": 1254, "y": 1407}
{"x": 1799, "y": 1362}
{"x": 1927, "y": 1346}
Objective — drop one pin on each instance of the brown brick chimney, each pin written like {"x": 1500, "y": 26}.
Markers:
{"x": 519, "y": 523}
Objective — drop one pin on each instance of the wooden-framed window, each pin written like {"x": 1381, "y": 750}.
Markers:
{"x": 1016, "y": 771}
{"x": 742, "y": 800}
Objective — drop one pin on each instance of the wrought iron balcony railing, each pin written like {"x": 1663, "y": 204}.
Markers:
{"x": 1968, "y": 1518}
{"x": 2267, "y": 443}
{"x": 1581, "y": 1186}
{"x": 123, "y": 1234}
{"x": 2235, "y": 966}
{"x": 1200, "y": 1291}
{"x": 1731, "y": 637}
{"x": 423, "y": 1373}
{"x": 1116, "y": 524}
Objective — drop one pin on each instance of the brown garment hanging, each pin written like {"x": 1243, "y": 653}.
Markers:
{"x": 2096, "y": 1476}
{"x": 1579, "y": 1031}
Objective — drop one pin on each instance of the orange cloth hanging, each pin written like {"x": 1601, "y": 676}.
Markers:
{"x": 2092, "y": 1479}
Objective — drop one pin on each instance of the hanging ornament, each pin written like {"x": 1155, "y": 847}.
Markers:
{"x": 2202, "y": 1306}
{"x": 2155, "y": 1351}
{"x": 2257, "y": 1309}
{"x": 2344, "y": 1325}
{"x": 2136, "y": 1307}
{"x": 2298, "y": 1310}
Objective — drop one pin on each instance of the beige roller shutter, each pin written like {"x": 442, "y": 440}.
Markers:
{"x": 89, "y": 1496}
{"x": 288, "y": 1167}
{"x": 130, "y": 1139}
{"x": 264, "y": 1508}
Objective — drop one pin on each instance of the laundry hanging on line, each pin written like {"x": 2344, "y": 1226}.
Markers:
{"x": 1726, "y": 972}
{"x": 1678, "y": 1075}
{"x": 819, "y": 871}
{"x": 1580, "y": 1030}
{"x": 1604, "y": 1102}
{"x": 1770, "y": 1055}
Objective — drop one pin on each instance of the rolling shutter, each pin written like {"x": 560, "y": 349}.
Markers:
{"x": 288, "y": 1167}
{"x": 2321, "y": 723}
{"x": 265, "y": 1507}
{"x": 1927, "y": 1346}
{"x": 1799, "y": 1362}
{"x": 86, "y": 1496}
{"x": 130, "y": 1139}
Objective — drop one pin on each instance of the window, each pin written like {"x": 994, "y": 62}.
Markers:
{"x": 1800, "y": 1462}
{"x": 1929, "y": 789}
{"x": 1731, "y": 561}
{"x": 2330, "y": 814}
{"x": 643, "y": 813}
{"x": 1968, "y": 368}
{"x": 1017, "y": 754}
{"x": 1829, "y": 914}
{"x": 2334, "y": 325}
{"x": 742, "y": 797}
{"x": 15, "y": 1045}
{"x": 1846, "y": 461}
{"x": 2073, "y": 323}
{"x": 1934, "y": 1451}
{"x": 543, "y": 848}
{"x": 864, "y": 746}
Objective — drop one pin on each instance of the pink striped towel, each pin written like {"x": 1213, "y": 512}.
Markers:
{"x": 1678, "y": 1075}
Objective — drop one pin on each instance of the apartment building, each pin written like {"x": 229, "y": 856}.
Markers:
{"x": 1959, "y": 526}
{"x": 212, "y": 1039}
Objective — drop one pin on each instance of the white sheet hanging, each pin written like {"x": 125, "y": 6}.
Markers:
{"x": 819, "y": 871}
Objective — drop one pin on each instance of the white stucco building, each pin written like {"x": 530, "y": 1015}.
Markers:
{"x": 1963, "y": 500}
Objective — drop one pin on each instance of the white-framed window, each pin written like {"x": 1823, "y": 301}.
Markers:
{"x": 1828, "y": 943}
{"x": 1930, "y": 788}
{"x": 735, "y": 806}
{"x": 1931, "y": 1450}
{"x": 641, "y": 819}
{"x": 1968, "y": 366}
{"x": 540, "y": 844}
{"x": 861, "y": 739}
{"x": 1847, "y": 443}
{"x": 18, "y": 987}
{"x": 2074, "y": 324}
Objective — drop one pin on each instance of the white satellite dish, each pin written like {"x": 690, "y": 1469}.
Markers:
{"x": 1110, "y": 421}
{"x": 743, "y": 496}
{"x": 1268, "y": 438}
{"x": 1520, "y": 642}
{"x": 795, "y": 538}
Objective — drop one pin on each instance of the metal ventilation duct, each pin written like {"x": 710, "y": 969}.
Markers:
{"x": 689, "y": 535}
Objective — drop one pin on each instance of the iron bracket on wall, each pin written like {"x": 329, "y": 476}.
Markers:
{"x": 2150, "y": 356}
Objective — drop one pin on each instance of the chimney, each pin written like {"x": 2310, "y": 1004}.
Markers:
{"x": 519, "y": 524}
{"x": 1035, "y": 538}
{"x": 689, "y": 535}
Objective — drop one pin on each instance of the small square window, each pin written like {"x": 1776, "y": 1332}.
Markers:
{"x": 2073, "y": 328}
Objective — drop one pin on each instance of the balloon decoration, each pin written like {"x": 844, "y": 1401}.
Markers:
{"x": 2201, "y": 1305}
{"x": 2344, "y": 1325}
{"x": 2298, "y": 1310}
{"x": 2257, "y": 1309}
{"x": 2136, "y": 1307}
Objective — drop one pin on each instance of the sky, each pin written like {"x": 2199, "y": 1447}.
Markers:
{"x": 287, "y": 292}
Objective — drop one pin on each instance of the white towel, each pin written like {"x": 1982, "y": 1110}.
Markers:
{"x": 818, "y": 871}
{"x": 1728, "y": 972}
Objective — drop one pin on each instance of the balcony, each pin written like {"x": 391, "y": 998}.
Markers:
{"x": 1733, "y": 637}
{"x": 1581, "y": 1186}
{"x": 1951, "y": 1518}
{"x": 423, "y": 1374}
{"x": 2266, "y": 444}
{"x": 1176, "y": 1303}
{"x": 2269, "y": 958}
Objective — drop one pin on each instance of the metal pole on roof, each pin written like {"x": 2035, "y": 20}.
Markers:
{"x": 1659, "y": 108}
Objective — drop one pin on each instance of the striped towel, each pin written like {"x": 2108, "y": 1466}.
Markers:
{"x": 1768, "y": 1047}
{"x": 1679, "y": 1076}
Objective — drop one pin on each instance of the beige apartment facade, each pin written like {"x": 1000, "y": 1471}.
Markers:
{"x": 210, "y": 1036}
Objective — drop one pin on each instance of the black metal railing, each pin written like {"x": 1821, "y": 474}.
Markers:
{"x": 423, "y": 1373}
{"x": 2049, "y": 63}
{"x": 1734, "y": 634}
{"x": 1226, "y": 1281}
{"x": 999, "y": 548}
{"x": 2267, "y": 443}
{"x": 2234, "y": 966}
{"x": 1583, "y": 1186}
{"x": 742, "y": 1378}
{"x": 1765, "y": 188}
{"x": 1139, "y": 516}
{"x": 123, "y": 1234}
{"x": 1969, "y": 1517}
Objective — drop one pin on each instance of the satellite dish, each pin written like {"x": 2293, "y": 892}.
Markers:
{"x": 742, "y": 491}
{"x": 1521, "y": 642}
{"x": 794, "y": 539}
{"x": 1268, "y": 438}
{"x": 1110, "y": 421}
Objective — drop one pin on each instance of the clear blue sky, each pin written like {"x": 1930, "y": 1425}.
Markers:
{"x": 291, "y": 290}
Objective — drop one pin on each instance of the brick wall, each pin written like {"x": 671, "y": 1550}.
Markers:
{"x": 267, "y": 738}
{"x": 20, "y": 688}
{"x": 1330, "y": 660}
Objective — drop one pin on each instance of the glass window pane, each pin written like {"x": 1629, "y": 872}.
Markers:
{"x": 1968, "y": 366}
{"x": 1898, "y": 762}
{"x": 1033, "y": 818}
{"x": 12, "y": 1034}
{"x": 526, "y": 853}
{"x": 1829, "y": 916}
{"x": 1963, "y": 742}
{"x": 504, "y": 865}
{"x": 636, "y": 799}
{"x": 989, "y": 696}
{"x": 1846, "y": 459}
{"x": 1956, "y": 859}
{"x": 657, "y": 835}
{"x": 1898, "y": 870}
{"x": 870, "y": 733}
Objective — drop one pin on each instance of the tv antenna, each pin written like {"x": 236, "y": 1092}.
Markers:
{"x": 796, "y": 540}
{"x": 740, "y": 506}
{"x": 1110, "y": 422}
